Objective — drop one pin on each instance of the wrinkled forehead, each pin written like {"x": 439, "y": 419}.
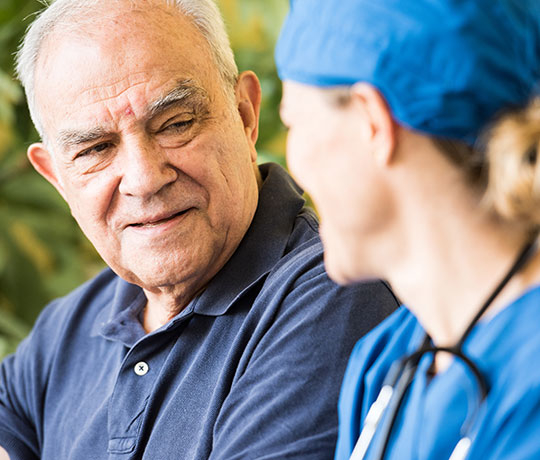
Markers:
{"x": 117, "y": 58}
{"x": 112, "y": 25}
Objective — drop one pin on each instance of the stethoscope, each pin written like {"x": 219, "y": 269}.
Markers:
{"x": 401, "y": 375}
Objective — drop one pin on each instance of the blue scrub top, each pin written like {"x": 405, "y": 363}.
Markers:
{"x": 439, "y": 410}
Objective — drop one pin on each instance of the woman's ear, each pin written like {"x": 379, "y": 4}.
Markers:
{"x": 382, "y": 129}
{"x": 43, "y": 162}
{"x": 248, "y": 99}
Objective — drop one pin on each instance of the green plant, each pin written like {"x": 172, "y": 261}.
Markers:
{"x": 253, "y": 28}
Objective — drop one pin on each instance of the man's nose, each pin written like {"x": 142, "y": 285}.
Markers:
{"x": 145, "y": 169}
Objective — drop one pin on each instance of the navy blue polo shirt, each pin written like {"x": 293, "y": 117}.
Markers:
{"x": 251, "y": 368}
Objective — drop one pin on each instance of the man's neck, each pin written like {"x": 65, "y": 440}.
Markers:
{"x": 163, "y": 306}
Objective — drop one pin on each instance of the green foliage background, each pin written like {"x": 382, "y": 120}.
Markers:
{"x": 43, "y": 254}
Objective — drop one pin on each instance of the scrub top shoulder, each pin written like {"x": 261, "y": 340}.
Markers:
{"x": 439, "y": 410}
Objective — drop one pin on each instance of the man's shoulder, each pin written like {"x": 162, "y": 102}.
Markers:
{"x": 305, "y": 229}
{"x": 303, "y": 252}
{"x": 393, "y": 338}
{"x": 302, "y": 260}
{"x": 299, "y": 281}
{"x": 82, "y": 303}
{"x": 60, "y": 323}
{"x": 374, "y": 354}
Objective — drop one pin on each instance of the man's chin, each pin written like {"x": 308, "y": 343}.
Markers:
{"x": 167, "y": 279}
{"x": 152, "y": 278}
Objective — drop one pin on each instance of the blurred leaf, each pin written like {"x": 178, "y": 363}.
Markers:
{"x": 10, "y": 94}
{"x": 10, "y": 91}
{"x": 12, "y": 331}
{"x": 20, "y": 281}
{"x": 31, "y": 246}
{"x": 253, "y": 28}
{"x": 12, "y": 327}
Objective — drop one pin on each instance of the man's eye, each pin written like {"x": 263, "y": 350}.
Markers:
{"x": 99, "y": 148}
{"x": 179, "y": 126}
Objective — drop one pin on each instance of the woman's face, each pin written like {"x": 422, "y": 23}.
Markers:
{"x": 330, "y": 154}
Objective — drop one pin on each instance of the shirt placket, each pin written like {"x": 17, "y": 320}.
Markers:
{"x": 134, "y": 387}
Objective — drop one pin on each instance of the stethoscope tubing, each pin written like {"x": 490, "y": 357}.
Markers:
{"x": 402, "y": 374}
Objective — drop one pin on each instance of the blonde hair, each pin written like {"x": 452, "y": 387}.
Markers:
{"x": 512, "y": 153}
{"x": 504, "y": 166}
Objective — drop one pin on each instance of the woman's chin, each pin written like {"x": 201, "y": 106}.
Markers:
{"x": 343, "y": 271}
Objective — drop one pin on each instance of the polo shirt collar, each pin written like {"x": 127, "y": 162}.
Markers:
{"x": 280, "y": 201}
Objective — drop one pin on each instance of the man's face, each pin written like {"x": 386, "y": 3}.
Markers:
{"x": 152, "y": 156}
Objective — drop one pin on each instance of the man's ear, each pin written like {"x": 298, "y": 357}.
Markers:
{"x": 382, "y": 128}
{"x": 43, "y": 162}
{"x": 248, "y": 99}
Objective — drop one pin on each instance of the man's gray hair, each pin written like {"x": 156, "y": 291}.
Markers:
{"x": 66, "y": 14}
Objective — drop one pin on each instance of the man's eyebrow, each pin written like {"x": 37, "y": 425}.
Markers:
{"x": 72, "y": 138}
{"x": 186, "y": 92}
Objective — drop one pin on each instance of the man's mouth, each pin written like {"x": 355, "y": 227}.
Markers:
{"x": 159, "y": 220}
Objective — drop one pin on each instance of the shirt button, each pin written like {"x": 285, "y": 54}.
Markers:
{"x": 141, "y": 368}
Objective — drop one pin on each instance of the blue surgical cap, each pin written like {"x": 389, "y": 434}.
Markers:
{"x": 445, "y": 67}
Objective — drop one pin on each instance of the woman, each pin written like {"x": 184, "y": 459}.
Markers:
{"x": 391, "y": 107}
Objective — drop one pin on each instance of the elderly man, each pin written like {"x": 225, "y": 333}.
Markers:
{"x": 215, "y": 333}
